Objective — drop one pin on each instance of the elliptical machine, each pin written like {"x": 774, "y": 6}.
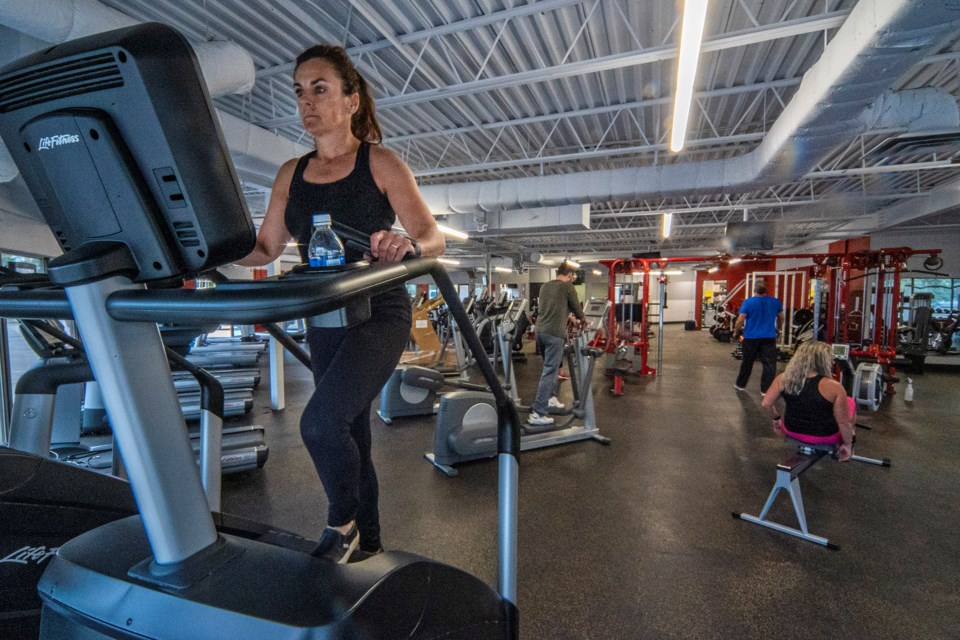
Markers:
{"x": 466, "y": 420}
{"x": 413, "y": 390}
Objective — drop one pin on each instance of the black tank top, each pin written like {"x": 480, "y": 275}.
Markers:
{"x": 355, "y": 201}
{"x": 808, "y": 412}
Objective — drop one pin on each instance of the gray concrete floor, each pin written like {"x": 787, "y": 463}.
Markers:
{"x": 636, "y": 539}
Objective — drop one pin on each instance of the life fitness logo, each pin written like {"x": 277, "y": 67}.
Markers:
{"x": 30, "y": 555}
{"x": 49, "y": 142}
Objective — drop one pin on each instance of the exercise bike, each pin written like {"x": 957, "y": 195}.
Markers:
{"x": 467, "y": 420}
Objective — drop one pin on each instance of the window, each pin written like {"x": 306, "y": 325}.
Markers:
{"x": 15, "y": 355}
{"x": 945, "y": 292}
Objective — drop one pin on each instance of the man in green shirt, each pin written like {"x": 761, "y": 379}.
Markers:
{"x": 558, "y": 299}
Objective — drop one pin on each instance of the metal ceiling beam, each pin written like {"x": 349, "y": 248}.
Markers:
{"x": 582, "y": 155}
{"x": 649, "y": 55}
{"x": 442, "y": 30}
{"x": 755, "y": 205}
{"x": 593, "y": 111}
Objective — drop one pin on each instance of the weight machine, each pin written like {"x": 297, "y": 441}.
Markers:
{"x": 855, "y": 294}
{"x": 626, "y": 341}
{"x": 866, "y": 316}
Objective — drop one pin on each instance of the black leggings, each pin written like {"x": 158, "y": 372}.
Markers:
{"x": 349, "y": 368}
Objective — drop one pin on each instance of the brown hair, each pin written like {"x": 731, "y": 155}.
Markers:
{"x": 363, "y": 124}
{"x": 565, "y": 269}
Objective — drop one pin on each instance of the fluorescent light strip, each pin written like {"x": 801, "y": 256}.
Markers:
{"x": 667, "y": 224}
{"x": 694, "y": 17}
{"x": 503, "y": 270}
{"x": 452, "y": 232}
{"x": 672, "y": 272}
{"x": 596, "y": 272}
{"x": 572, "y": 263}
{"x": 713, "y": 269}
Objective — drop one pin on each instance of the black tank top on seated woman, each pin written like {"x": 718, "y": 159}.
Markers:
{"x": 355, "y": 201}
{"x": 809, "y": 412}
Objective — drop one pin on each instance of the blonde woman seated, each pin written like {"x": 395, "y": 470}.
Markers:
{"x": 816, "y": 409}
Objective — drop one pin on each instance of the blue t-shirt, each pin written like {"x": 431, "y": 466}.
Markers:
{"x": 761, "y": 312}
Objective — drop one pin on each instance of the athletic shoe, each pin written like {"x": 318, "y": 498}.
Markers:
{"x": 553, "y": 403}
{"x": 738, "y": 388}
{"x": 538, "y": 420}
{"x": 337, "y": 546}
{"x": 362, "y": 554}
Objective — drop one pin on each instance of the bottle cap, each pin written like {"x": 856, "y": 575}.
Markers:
{"x": 321, "y": 218}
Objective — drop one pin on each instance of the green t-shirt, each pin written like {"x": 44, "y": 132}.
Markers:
{"x": 557, "y": 299}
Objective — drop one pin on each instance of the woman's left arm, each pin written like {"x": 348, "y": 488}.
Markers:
{"x": 395, "y": 178}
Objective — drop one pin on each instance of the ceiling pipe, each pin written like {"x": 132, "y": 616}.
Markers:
{"x": 226, "y": 67}
{"x": 257, "y": 153}
{"x": 842, "y": 96}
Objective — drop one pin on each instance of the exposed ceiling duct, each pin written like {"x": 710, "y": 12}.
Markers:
{"x": 842, "y": 96}
{"x": 226, "y": 67}
{"x": 257, "y": 153}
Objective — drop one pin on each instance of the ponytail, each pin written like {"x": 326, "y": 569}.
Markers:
{"x": 364, "y": 123}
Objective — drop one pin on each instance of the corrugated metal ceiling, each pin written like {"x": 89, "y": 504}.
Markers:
{"x": 482, "y": 89}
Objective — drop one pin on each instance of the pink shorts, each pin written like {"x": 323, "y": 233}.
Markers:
{"x": 835, "y": 438}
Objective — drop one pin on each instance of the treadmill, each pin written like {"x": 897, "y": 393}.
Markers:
{"x": 118, "y": 141}
{"x": 48, "y": 419}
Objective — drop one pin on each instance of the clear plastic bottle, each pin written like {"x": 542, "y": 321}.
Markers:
{"x": 325, "y": 249}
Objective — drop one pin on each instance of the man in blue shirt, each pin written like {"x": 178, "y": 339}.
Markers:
{"x": 763, "y": 316}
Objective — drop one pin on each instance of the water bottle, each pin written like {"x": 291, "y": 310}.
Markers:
{"x": 325, "y": 249}
{"x": 908, "y": 393}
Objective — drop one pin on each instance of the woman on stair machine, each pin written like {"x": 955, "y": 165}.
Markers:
{"x": 364, "y": 186}
{"x": 817, "y": 410}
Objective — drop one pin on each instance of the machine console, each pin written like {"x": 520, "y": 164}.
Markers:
{"x": 841, "y": 351}
{"x": 595, "y": 312}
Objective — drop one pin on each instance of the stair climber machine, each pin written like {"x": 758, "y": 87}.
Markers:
{"x": 118, "y": 140}
{"x": 413, "y": 390}
{"x": 467, "y": 420}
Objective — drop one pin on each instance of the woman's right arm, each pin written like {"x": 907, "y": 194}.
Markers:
{"x": 273, "y": 236}
{"x": 769, "y": 404}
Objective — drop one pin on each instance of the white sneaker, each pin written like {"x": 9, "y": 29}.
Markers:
{"x": 553, "y": 403}
{"x": 538, "y": 420}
